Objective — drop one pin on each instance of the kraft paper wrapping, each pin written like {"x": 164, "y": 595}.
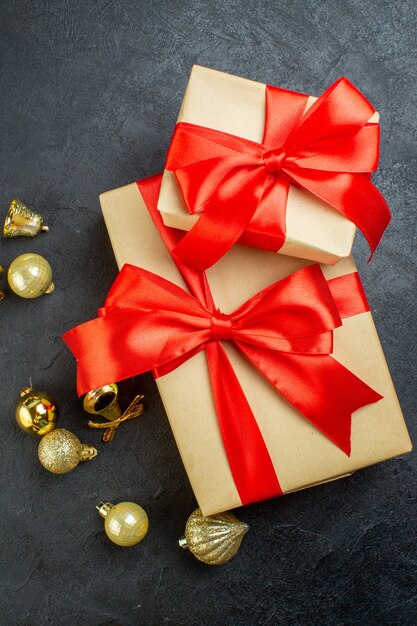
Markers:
{"x": 236, "y": 106}
{"x": 302, "y": 456}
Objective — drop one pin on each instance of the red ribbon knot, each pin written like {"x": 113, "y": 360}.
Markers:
{"x": 274, "y": 160}
{"x": 221, "y": 326}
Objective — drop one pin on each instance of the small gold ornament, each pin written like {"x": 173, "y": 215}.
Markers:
{"x": 21, "y": 221}
{"x": 61, "y": 451}
{"x": 30, "y": 276}
{"x": 214, "y": 539}
{"x": 36, "y": 412}
{"x": 134, "y": 409}
{"x": 103, "y": 401}
{"x": 2, "y": 294}
{"x": 125, "y": 524}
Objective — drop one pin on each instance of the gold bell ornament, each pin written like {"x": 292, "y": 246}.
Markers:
{"x": 214, "y": 539}
{"x": 60, "y": 451}
{"x": 36, "y": 412}
{"x": 21, "y": 221}
{"x": 104, "y": 402}
{"x": 30, "y": 276}
{"x": 125, "y": 524}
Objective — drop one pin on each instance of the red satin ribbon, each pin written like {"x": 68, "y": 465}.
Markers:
{"x": 241, "y": 187}
{"x": 286, "y": 331}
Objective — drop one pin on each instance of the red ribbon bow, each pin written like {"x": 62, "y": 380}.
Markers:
{"x": 241, "y": 187}
{"x": 149, "y": 323}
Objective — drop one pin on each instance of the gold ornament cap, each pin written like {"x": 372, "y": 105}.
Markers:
{"x": 36, "y": 412}
{"x": 60, "y": 451}
{"x": 30, "y": 276}
{"x": 21, "y": 221}
{"x": 214, "y": 539}
{"x": 103, "y": 401}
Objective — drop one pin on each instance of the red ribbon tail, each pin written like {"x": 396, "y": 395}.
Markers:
{"x": 353, "y": 195}
{"x": 248, "y": 456}
{"x": 318, "y": 386}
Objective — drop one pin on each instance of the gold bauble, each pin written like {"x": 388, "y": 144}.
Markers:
{"x": 125, "y": 524}
{"x": 36, "y": 412}
{"x": 214, "y": 539}
{"x": 30, "y": 276}
{"x": 60, "y": 451}
{"x": 21, "y": 221}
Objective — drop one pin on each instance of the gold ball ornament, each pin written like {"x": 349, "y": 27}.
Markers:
{"x": 30, "y": 276}
{"x": 214, "y": 539}
{"x": 60, "y": 451}
{"x": 125, "y": 524}
{"x": 36, "y": 412}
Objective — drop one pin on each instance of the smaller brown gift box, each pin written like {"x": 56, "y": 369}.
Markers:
{"x": 302, "y": 455}
{"x": 235, "y": 105}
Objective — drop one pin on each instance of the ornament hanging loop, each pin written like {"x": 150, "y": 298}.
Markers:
{"x": 88, "y": 452}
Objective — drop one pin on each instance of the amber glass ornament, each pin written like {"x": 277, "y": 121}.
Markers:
{"x": 61, "y": 451}
{"x": 214, "y": 539}
{"x": 36, "y": 412}
{"x": 30, "y": 276}
{"x": 125, "y": 524}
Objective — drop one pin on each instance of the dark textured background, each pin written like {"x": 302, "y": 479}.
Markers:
{"x": 89, "y": 94}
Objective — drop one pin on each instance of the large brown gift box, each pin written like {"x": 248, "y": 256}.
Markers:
{"x": 223, "y": 102}
{"x": 302, "y": 455}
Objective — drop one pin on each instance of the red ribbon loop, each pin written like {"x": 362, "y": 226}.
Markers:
{"x": 329, "y": 149}
{"x": 285, "y": 330}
